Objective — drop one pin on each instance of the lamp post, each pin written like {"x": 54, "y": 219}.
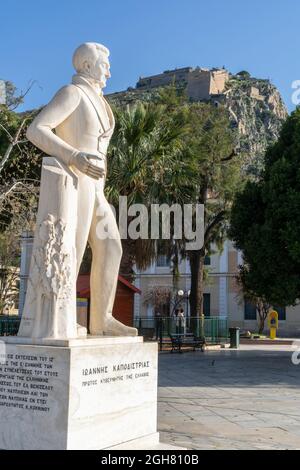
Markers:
{"x": 188, "y": 303}
{"x": 185, "y": 295}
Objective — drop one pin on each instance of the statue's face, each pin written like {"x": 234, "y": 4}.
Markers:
{"x": 100, "y": 71}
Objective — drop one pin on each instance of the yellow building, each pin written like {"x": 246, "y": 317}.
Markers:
{"x": 222, "y": 297}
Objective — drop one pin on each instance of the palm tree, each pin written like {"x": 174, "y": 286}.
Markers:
{"x": 174, "y": 154}
{"x": 147, "y": 164}
{"x": 211, "y": 142}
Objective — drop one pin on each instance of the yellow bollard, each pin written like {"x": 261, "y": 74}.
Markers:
{"x": 273, "y": 323}
{"x": 273, "y": 333}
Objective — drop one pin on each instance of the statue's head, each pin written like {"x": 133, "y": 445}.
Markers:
{"x": 91, "y": 59}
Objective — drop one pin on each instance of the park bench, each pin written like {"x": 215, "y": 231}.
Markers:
{"x": 190, "y": 340}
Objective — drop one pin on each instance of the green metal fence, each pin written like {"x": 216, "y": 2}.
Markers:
{"x": 9, "y": 326}
{"x": 216, "y": 329}
{"x": 213, "y": 329}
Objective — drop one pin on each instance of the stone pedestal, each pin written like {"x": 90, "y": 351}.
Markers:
{"x": 94, "y": 393}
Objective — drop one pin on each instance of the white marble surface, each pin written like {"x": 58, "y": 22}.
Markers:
{"x": 88, "y": 341}
{"x": 74, "y": 129}
{"x": 87, "y": 404}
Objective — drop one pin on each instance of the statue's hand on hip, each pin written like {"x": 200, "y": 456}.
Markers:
{"x": 82, "y": 162}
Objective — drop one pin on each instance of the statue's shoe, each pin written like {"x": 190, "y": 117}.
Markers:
{"x": 113, "y": 327}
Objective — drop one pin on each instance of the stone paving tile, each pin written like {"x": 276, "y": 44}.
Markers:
{"x": 246, "y": 399}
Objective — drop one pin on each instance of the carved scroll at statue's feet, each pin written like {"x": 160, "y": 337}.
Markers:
{"x": 113, "y": 327}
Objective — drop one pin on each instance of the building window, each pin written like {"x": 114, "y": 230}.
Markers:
{"x": 207, "y": 260}
{"x": 281, "y": 313}
{"x": 249, "y": 310}
{"x": 163, "y": 261}
{"x": 206, "y": 305}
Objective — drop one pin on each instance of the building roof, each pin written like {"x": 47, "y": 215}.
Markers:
{"x": 83, "y": 285}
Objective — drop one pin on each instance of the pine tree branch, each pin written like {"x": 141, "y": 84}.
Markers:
{"x": 217, "y": 219}
{"x": 230, "y": 157}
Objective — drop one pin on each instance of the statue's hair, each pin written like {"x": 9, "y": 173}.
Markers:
{"x": 88, "y": 53}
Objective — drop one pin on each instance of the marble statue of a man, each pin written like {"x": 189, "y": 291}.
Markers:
{"x": 74, "y": 129}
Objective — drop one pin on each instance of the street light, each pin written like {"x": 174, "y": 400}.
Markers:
{"x": 188, "y": 303}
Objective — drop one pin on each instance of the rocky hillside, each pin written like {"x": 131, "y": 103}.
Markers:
{"x": 255, "y": 106}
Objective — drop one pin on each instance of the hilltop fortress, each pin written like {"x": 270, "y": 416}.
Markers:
{"x": 255, "y": 105}
{"x": 200, "y": 83}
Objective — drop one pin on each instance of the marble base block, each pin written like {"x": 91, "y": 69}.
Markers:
{"x": 95, "y": 393}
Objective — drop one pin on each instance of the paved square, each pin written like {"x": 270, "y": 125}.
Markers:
{"x": 245, "y": 399}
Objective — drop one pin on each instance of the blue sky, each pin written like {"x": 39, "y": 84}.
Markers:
{"x": 38, "y": 37}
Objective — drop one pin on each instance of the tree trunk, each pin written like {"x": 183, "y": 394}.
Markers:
{"x": 197, "y": 265}
{"x": 128, "y": 259}
{"x": 262, "y": 309}
{"x": 261, "y": 324}
{"x": 197, "y": 275}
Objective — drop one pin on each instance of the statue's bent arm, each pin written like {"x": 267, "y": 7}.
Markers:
{"x": 40, "y": 132}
